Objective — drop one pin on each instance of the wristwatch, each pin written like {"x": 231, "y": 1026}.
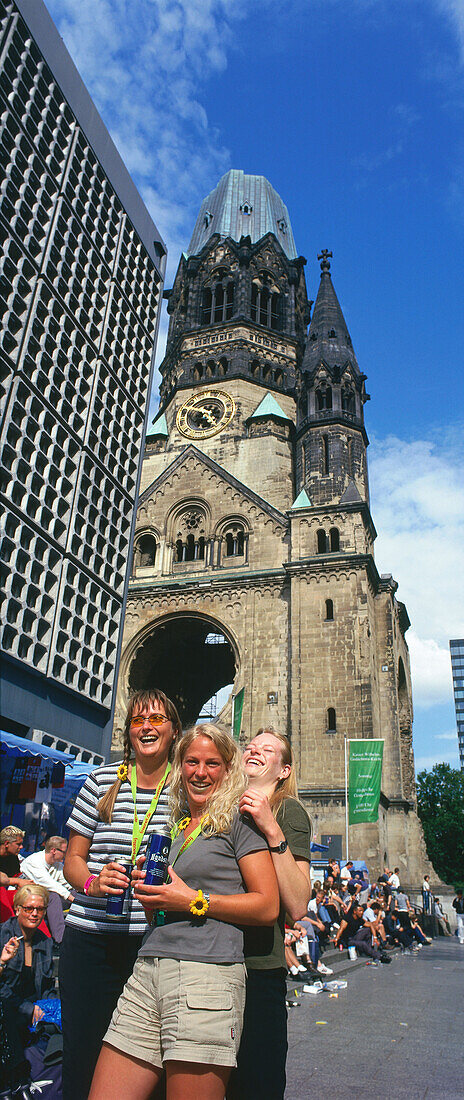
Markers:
{"x": 282, "y": 847}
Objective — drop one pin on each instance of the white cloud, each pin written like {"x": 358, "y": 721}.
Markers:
{"x": 428, "y": 762}
{"x": 144, "y": 63}
{"x": 417, "y": 491}
{"x": 446, "y": 736}
{"x": 431, "y": 671}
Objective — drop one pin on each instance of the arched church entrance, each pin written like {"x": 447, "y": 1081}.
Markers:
{"x": 190, "y": 657}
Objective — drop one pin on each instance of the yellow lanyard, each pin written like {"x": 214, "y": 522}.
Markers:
{"x": 181, "y": 825}
{"x": 138, "y": 830}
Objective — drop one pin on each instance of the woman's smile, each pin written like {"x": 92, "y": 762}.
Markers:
{"x": 203, "y": 771}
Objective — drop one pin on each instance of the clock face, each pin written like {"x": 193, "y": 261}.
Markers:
{"x": 205, "y": 414}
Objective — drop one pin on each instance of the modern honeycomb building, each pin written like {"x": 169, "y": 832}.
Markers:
{"x": 457, "y": 668}
{"x": 81, "y": 283}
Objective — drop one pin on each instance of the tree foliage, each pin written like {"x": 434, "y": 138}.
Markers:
{"x": 440, "y": 805}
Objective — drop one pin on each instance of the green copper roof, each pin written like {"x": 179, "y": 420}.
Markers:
{"x": 269, "y": 407}
{"x": 243, "y": 206}
{"x": 160, "y": 426}
{"x": 302, "y": 501}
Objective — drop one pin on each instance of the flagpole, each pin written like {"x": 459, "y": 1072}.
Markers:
{"x": 346, "y": 798}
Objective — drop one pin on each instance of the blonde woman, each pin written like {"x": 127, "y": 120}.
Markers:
{"x": 183, "y": 1006}
{"x": 26, "y": 976}
{"x": 271, "y": 801}
{"x": 118, "y": 807}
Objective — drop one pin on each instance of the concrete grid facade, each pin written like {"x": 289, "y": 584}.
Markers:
{"x": 457, "y": 669}
{"x": 82, "y": 276}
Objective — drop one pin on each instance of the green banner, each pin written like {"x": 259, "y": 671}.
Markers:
{"x": 237, "y": 708}
{"x": 365, "y": 774}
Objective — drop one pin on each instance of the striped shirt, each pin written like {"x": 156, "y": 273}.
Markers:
{"x": 110, "y": 842}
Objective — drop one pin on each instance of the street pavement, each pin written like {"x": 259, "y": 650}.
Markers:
{"x": 396, "y": 1031}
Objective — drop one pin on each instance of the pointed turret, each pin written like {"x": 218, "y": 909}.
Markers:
{"x": 329, "y": 341}
{"x": 332, "y": 439}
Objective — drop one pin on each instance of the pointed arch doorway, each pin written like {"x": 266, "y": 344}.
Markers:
{"x": 190, "y": 657}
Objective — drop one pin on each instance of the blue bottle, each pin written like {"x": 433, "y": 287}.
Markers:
{"x": 157, "y": 858}
{"x": 117, "y": 905}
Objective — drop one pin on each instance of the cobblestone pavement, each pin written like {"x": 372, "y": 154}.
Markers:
{"x": 396, "y": 1031}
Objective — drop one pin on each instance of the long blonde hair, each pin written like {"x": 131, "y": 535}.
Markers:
{"x": 285, "y": 788}
{"x": 138, "y": 701}
{"x": 223, "y": 804}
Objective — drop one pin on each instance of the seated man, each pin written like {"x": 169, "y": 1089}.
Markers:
{"x": 46, "y": 869}
{"x": 11, "y": 842}
{"x": 358, "y": 929}
{"x": 318, "y": 914}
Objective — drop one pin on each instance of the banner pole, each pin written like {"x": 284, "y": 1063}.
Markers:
{"x": 346, "y": 799}
{"x": 233, "y": 717}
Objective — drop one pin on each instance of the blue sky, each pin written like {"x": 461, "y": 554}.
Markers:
{"x": 353, "y": 109}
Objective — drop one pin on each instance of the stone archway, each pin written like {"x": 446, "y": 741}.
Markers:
{"x": 180, "y": 656}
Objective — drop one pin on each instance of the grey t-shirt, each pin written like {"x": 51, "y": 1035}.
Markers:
{"x": 209, "y": 864}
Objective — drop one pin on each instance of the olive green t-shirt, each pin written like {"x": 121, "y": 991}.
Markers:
{"x": 264, "y": 947}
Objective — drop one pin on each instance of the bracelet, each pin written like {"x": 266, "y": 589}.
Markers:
{"x": 199, "y": 905}
{"x": 87, "y": 884}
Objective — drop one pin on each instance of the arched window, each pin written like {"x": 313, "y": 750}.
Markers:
{"x": 146, "y": 551}
{"x": 334, "y": 536}
{"x": 321, "y": 541}
{"x": 190, "y": 537}
{"x": 324, "y": 398}
{"x": 264, "y": 302}
{"x": 329, "y": 610}
{"x": 206, "y": 304}
{"x": 235, "y": 542}
{"x": 223, "y": 366}
{"x": 217, "y": 302}
{"x": 331, "y": 720}
{"x": 266, "y": 306}
{"x": 348, "y": 401}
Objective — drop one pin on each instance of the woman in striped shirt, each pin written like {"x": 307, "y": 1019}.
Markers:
{"x": 117, "y": 809}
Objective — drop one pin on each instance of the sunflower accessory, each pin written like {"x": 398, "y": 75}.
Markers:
{"x": 199, "y": 905}
{"x": 122, "y": 772}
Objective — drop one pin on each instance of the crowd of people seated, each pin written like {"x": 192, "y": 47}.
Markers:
{"x": 346, "y": 912}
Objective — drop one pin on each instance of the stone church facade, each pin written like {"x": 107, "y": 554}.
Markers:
{"x": 254, "y": 547}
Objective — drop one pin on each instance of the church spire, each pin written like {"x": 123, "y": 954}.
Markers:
{"x": 331, "y": 436}
{"x": 328, "y": 339}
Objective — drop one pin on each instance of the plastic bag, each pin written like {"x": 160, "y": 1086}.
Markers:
{"x": 51, "y": 1008}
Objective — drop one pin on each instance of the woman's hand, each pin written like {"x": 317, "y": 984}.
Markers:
{"x": 37, "y": 1014}
{"x": 174, "y": 896}
{"x": 9, "y": 951}
{"x": 111, "y": 880}
{"x": 256, "y": 804}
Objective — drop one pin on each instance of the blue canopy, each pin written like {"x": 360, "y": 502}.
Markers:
{"x": 319, "y": 847}
{"x": 10, "y": 745}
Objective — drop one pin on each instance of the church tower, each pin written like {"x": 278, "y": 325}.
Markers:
{"x": 254, "y": 548}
